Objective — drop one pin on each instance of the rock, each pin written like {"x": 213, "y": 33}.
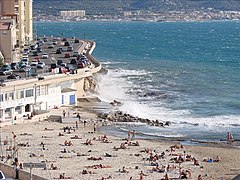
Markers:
{"x": 168, "y": 123}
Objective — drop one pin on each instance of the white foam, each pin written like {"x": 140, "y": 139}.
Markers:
{"x": 115, "y": 85}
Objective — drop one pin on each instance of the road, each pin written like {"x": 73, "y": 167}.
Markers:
{"x": 53, "y": 57}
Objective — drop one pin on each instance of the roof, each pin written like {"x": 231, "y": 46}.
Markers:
{"x": 66, "y": 90}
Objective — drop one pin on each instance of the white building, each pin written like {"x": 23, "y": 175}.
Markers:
{"x": 26, "y": 97}
{"x": 72, "y": 14}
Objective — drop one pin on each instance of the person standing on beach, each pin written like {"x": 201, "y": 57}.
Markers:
{"x": 16, "y": 167}
{"x": 129, "y": 134}
{"x": 78, "y": 116}
{"x": 133, "y": 134}
{"x": 94, "y": 128}
{"x": 76, "y": 125}
{"x": 229, "y": 138}
{"x": 84, "y": 123}
{"x": 64, "y": 113}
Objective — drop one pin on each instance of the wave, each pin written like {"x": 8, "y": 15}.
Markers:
{"x": 143, "y": 101}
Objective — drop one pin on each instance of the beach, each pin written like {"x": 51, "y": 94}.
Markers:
{"x": 109, "y": 157}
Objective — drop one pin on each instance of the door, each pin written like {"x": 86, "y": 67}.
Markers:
{"x": 72, "y": 99}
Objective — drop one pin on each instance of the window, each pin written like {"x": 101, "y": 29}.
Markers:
{"x": 38, "y": 91}
{"x": 44, "y": 90}
{"x": 20, "y": 94}
{"x": 1, "y": 97}
{"x": 9, "y": 96}
{"x": 29, "y": 93}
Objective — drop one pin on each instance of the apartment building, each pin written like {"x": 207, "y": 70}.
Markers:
{"x": 8, "y": 40}
{"x": 72, "y": 14}
{"x": 21, "y": 31}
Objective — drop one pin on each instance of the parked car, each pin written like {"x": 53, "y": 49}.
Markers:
{"x": 40, "y": 65}
{"x": 69, "y": 48}
{"x": 40, "y": 43}
{"x": 54, "y": 42}
{"x": 81, "y": 65}
{"x": 26, "y": 50}
{"x": 34, "y": 63}
{"x": 51, "y": 46}
{"x": 73, "y": 61}
{"x": 45, "y": 39}
{"x": 33, "y": 47}
{"x": 25, "y": 61}
{"x": 25, "y": 55}
{"x": 63, "y": 64}
{"x": 59, "y": 51}
{"x": 6, "y": 70}
{"x": 2, "y": 176}
{"x": 59, "y": 61}
{"x": 53, "y": 66}
{"x": 39, "y": 49}
{"x": 24, "y": 68}
{"x": 45, "y": 56}
{"x": 75, "y": 54}
{"x": 14, "y": 65}
{"x": 76, "y": 41}
{"x": 35, "y": 53}
{"x": 66, "y": 43}
{"x": 13, "y": 76}
{"x": 67, "y": 55}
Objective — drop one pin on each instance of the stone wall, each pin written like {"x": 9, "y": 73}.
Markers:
{"x": 23, "y": 175}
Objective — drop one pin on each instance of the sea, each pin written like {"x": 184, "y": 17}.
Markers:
{"x": 184, "y": 72}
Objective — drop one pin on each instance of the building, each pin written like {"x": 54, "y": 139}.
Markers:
{"x": 32, "y": 96}
{"x": 127, "y": 13}
{"x": 72, "y": 14}
{"x": 8, "y": 40}
{"x": 19, "y": 14}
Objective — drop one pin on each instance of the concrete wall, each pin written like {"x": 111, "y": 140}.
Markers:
{"x": 78, "y": 85}
{"x": 23, "y": 175}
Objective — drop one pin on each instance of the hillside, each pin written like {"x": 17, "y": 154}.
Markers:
{"x": 115, "y": 7}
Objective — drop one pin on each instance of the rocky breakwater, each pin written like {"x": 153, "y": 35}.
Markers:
{"x": 119, "y": 116}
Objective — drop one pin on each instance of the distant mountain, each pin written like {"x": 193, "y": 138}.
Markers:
{"x": 115, "y": 7}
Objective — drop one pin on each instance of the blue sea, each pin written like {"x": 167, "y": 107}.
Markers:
{"x": 184, "y": 72}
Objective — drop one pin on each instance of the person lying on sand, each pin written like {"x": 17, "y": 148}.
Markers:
{"x": 62, "y": 176}
{"x": 210, "y": 160}
{"x": 94, "y": 158}
{"x": 80, "y": 154}
{"x": 123, "y": 170}
{"x": 52, "y": 167}
{"x": 98, "y": 166}
{"x": 195, "y": 162}
{"x": 25, "y": 134}
{"x": 75, "y": 137}
{"x": 88, "y": 172}
{"x": 158, "y": 169}
{"x": 68, "y": 143}
{"x": 142, "y": 174}
{"x": 46, "y": 129}
{"x": 109, "y": 155}
{"x": 88, "y": 142}
{"x": 133, "y": 143}
{"x": 23, "y": 144}
{"x": 60, "y": 134}
{"x": 103, "y": 178}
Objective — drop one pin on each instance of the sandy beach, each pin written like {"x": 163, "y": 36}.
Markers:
{"x": 135, "y": 159}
